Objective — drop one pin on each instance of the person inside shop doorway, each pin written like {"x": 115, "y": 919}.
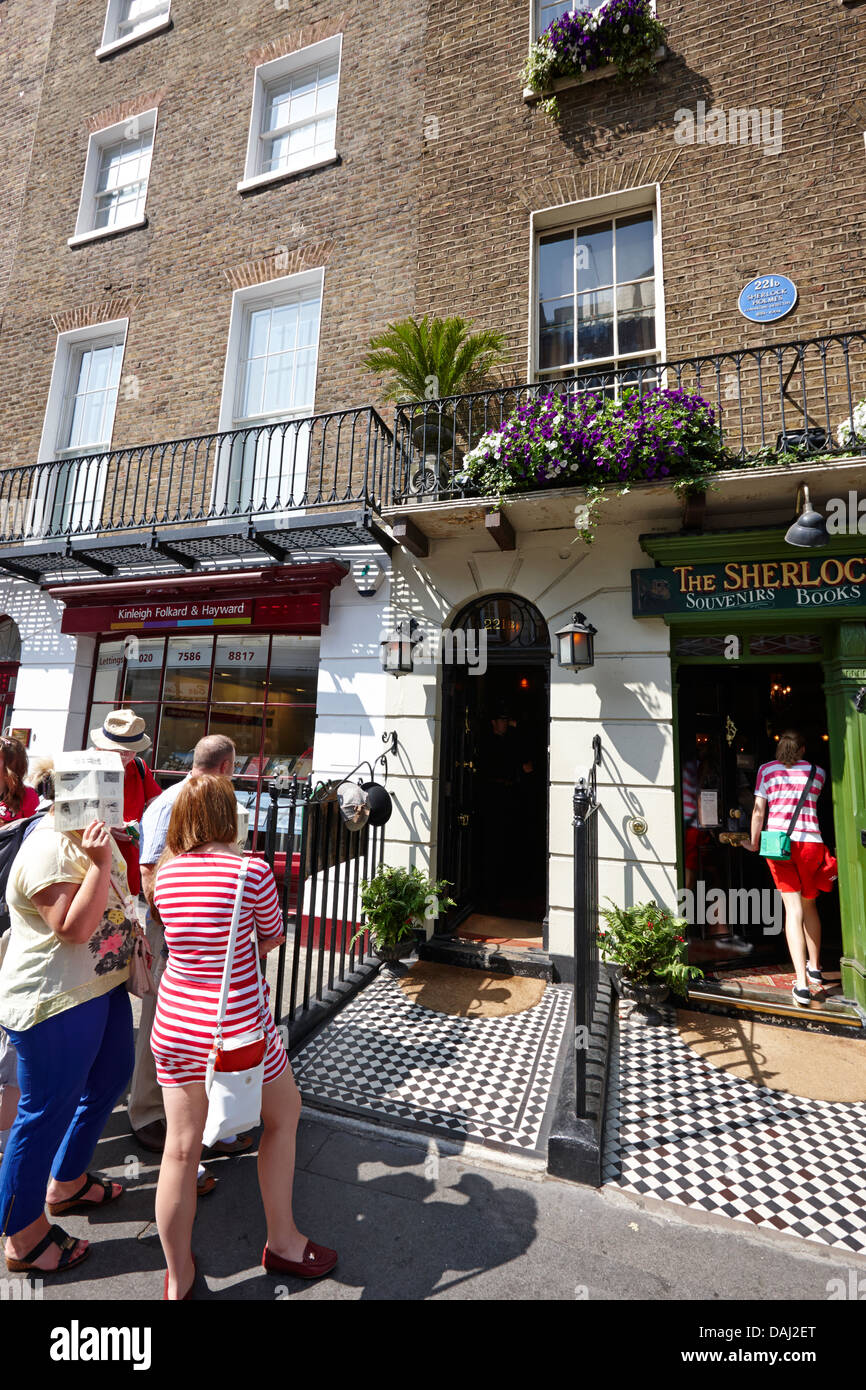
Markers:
{"x": 504, "y": 764}
{"x": 699, "y": 775}
{"x": 789, "y": 788}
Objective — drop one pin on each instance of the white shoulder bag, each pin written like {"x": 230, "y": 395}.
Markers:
{"x": 236, "y": 1068}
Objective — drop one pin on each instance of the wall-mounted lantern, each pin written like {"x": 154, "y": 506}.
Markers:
{"x": 396, "y": 647}
{"x": 575, "y": 644}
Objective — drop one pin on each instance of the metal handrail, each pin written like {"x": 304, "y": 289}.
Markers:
{"x": 788, "y": 397}
{"x": 304, "y": 464}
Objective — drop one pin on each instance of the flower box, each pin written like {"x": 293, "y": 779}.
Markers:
{"x": 622, "y": 37}
{"x": 562, "y": 84}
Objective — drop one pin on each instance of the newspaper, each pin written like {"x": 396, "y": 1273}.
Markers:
{"x": 88, "y": 786}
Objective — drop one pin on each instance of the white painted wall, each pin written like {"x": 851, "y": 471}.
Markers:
{"x": 626, "y": 698}
{"x": 350, "y": 709}
{"x": 54, "y": 679}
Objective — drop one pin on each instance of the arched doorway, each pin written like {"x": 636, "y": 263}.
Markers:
{"x": 494, "y": 766}
{"x": 10, "y": 660}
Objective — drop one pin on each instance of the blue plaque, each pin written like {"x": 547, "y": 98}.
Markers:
{"x": 768, "y": 298}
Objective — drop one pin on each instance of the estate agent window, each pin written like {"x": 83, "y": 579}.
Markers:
{"x": 127, "y": 21}
{"x": 257, "y": 689}
{"x": 597, "y": 298}
{"x": 116, "y": 175}
{"x": 294, "y": 116}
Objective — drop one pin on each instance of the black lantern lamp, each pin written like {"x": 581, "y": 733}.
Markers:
{"x": 809, "y": 529}
{"x": 395, "y": 649}
{"x": 575, "y": 644}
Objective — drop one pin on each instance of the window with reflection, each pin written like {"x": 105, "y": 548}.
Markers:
{"x": 258, "y": 690}
{"x": 597, "y": 300}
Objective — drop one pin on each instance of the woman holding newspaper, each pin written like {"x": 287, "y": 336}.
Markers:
{"x": 63, "y": 1002}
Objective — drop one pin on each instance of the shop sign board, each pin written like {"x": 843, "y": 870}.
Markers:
{"x": 767, "y": 298}
{"x": 801, "y": 585}
{"x": 135, "y": 617}
{"x": 304, "y": 612}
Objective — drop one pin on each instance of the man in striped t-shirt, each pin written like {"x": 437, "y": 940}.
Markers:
{"x": 801, "y": 878}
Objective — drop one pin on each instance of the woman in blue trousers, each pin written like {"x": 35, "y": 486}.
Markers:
{"x": 64, "y": 1004}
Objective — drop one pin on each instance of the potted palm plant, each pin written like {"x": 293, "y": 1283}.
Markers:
{"x": 395, "y": 902}
{"x": 425, "y": 360}
{"x": 646, "y": 946}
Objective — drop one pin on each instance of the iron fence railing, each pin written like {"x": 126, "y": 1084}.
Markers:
{"x": 785, "y": 397}
{"x": 320, "y": 865}
{"x": 298, "y": 465}
{"x": 586, "y": 956}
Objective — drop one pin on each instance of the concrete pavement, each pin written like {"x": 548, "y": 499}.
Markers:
{"x": 413, "y": 1222}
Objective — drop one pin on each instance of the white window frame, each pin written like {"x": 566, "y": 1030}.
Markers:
{"x": 113, "y": 40}
{"x": 100, "y": 140}
{"x": 646, "y": 198}
{"x": 42, "y": 500}
{"x": 535, "y": 29}
{"x": 265, "y": 76}
{"x": 243, "y": 301}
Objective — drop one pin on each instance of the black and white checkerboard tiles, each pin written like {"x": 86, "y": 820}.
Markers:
{"x": 481, "y": 1080}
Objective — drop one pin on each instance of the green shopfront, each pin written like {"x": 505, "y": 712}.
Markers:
{"x": 764, "y": 636}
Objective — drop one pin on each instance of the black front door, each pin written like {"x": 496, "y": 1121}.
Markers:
{"x": 494, "y": 766}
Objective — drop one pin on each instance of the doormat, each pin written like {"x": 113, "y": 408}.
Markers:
{"x": 502, "y": 931}
{"x": 451, "y": 989}
{"x": 811, "y": 1065}
{"x": 773, "y": 978}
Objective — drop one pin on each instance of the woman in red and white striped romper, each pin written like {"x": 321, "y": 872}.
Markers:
{"x": 802, "y": 877}
{"x": 194, "y": 892}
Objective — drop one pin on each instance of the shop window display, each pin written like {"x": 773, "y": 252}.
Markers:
{"x": 258, "y": 690}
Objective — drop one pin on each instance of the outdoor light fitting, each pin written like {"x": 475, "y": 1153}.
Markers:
{"x": 809, "y": 529}
{"x": 575, "y": 644}
{"x": 395, "y": 649}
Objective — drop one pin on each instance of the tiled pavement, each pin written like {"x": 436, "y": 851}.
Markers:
{"x": 677, "y": 1128}
{"x": 479, "y": 1080}
{"x": 683, "y": 1131}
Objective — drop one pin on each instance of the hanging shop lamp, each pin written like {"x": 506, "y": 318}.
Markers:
{"x": 575, "y": 644}
{"x": 809, "y": 529}
{"x": 395, "y": 649}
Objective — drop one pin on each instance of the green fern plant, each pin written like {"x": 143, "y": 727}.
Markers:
{"x": 647, "y": 941}
{"x": 425, "y": 359}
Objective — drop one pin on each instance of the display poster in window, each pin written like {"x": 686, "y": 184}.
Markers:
{"x": 708, "y": 809}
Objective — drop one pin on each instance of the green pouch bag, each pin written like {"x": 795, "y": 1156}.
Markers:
{"x": 775, "y": 844}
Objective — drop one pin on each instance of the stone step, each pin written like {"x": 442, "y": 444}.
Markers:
{"x": 480, "y": 955}
{"x": 833, "y": 1015}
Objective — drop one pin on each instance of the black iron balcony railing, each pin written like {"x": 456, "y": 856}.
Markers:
{"x": 771, "y": 401}
{"x": 775, "y": 401}
{"x": 303, "y": 465}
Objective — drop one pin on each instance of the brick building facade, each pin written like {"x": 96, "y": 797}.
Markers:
{"x": 175, "y": 276}
{"x": 727, "y": 211}
{"x": 445, "y": 190}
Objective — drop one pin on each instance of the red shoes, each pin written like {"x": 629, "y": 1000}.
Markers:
{"x": 316, "y": 1261}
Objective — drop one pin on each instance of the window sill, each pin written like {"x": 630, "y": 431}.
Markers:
{"x": 108, "y": 49}
{"x": 562, "y": 84}
{"x": 280, "y": 175}
{"x": 102, "y": 233}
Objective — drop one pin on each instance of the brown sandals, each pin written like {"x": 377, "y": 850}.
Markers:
{"x": 56, "y": 1236}
{"x": 76, "y": 1201}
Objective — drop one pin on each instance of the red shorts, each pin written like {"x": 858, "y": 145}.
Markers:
{"x": 696, "y": 840}
{"x": 799, "y": 874}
